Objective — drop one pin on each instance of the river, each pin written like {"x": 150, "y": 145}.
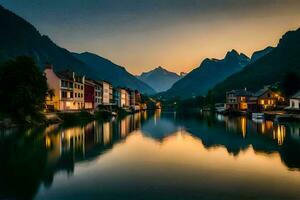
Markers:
{"x": 155, "y": 155}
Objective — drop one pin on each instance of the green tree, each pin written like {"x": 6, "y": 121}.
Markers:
{"x": 22, "y": 88}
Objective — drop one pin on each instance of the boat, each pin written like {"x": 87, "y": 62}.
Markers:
{"x": 258, "y": 116}
{"x": 220, "y": 107}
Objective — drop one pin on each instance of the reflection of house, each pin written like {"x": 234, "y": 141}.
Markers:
{"x": 295, "y": 132}
{"x": 67, "y": 88}
{"x": 295, "y": 102}
{"x": 264, "y": 99}
{"x": 237, "y": 100}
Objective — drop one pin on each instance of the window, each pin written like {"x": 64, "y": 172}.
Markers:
{"x": 71, "y": 95}
{"x": 63, "y": 94}
{"x": 82, "y": 87}
{"x": 63, "y": 83}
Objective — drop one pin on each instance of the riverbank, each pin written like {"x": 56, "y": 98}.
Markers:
{"x": 70, "y": 117}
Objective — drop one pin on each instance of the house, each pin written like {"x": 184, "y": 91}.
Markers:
{"x": 98, "y": 93}
{"x": 131, "y": 97}
{"x": 264, "y": 99}
{"x": 67, "y": 89}
{"x": 89, "y": 94}
{"x": 236, "y": 100}
{"x": 111, "y": 95}
{"x": 78, "y": 91}
{"x": 124, "y": 99}
{"x": 107, "y": 93}
{"x": 137, "y": 100}
{"x": 138, "y": 97}
{"x": 295, "y": 102}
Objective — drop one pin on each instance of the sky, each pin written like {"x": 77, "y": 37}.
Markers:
{"x": 176, "y": 34}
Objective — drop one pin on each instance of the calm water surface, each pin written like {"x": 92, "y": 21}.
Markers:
{"x": 153, "y": 156}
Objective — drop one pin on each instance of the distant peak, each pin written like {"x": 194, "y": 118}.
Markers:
{"x": 182, "y": 74}
{"x": 159, "y": 68}
{"x": 232, "y": 53}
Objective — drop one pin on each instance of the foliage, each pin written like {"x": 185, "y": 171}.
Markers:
{"x": 22, "y": 89}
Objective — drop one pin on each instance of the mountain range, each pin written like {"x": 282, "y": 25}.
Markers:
{"x": 269, "y": 69}
{"x": 159, "y": 79}
{"x": 209, "y": 73}
{"x": 18, "y": 37}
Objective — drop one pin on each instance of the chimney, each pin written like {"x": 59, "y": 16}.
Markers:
{"x": 48, "y": 66}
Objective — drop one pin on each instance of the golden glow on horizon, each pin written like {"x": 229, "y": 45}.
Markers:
{"x": 189, "y": 44}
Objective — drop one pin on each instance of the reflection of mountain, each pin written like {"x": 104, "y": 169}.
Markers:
{"x": 159, "y": 128}
{"x": 31, "y": 159}
{"x": 234, "y": 134}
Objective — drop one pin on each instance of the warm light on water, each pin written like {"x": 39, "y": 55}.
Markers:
{"x": 156, "y": 156}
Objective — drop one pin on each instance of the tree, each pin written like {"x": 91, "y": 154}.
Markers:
{"x": 22, "y": 88}
{"x": 290, "y": 84}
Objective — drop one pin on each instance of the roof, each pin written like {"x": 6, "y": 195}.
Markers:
{"x": 261, "y": 92}
{"x": 66, "y": 75}
{"x": 296, "y": 96}
{"x": 243, "y": 92}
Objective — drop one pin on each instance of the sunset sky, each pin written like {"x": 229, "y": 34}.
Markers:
{"x": 176, "y": 34}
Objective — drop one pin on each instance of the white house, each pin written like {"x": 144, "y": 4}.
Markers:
{"x": 67, "y": 88}
{"x": 295, "y": 102}
{"x": 106, "y": 93}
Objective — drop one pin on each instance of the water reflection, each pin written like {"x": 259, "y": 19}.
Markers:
{"x": 31, "y": 161}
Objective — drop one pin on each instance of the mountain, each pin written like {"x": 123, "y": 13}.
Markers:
{"x": 258, "y": 54}
{"x": 209, "y": 73}
{"x": 159, "y": 79}
{"x": 115, "y": 74}
{"x": 19, "y": 37}
{"x": 269, "y": 69}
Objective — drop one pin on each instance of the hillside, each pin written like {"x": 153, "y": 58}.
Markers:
{"x": 209, "y": 73}
{"x": 269, "y": 69}
{"x": 18, "y": 37}
{"x": 116, "y": 74}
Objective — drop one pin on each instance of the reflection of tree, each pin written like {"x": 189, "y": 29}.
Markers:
{"x": 22, "y": 168}
{"x": 28, "y": 162}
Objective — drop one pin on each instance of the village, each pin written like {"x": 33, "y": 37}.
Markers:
{"x": 263, "y": 104}
{"x": 71, "y": 92}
